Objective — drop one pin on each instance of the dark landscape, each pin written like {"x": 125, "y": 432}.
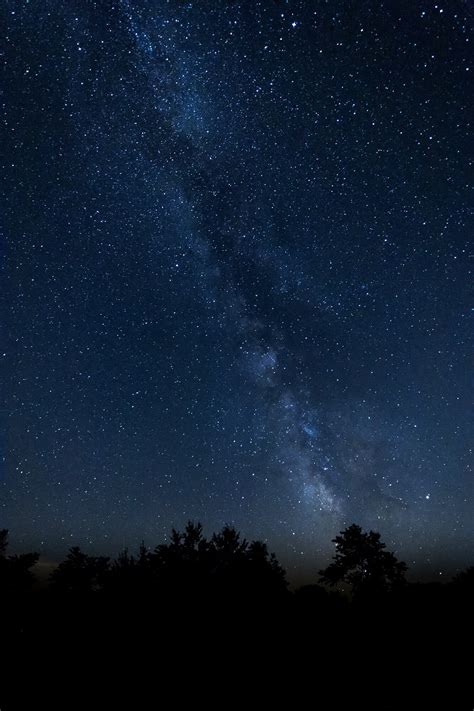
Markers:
{"x": 201, "y": 607}
{"x": 237, "y": 334}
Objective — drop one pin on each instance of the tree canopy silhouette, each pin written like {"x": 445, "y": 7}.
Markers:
{"x": 79, "y": 573}
{"x": 362, "y": 561}
{"x": 190, "y": 565}
{"x": 226, "y": 563}
{"x": 16, "y": 576}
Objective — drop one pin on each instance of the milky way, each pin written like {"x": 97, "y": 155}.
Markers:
{"x": 237, "y": 273}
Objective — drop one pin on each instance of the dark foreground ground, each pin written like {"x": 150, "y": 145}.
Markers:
{"x": 299, "y": 650}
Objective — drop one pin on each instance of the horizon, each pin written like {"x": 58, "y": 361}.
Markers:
{"x": 307, "y": 573}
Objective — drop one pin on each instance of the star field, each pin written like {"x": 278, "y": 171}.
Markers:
{"x": 237, "y": 273}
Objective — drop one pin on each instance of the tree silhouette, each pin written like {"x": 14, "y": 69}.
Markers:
{"x": 181, "y": 567}
{"x": 192, "y": 566}
{"x": 244, "y": 569}
{"x": 16, "y": 576}
{"x": 129, "y": 574}
{"x": 462, "y": 586}
{"x": 465, "y": 579}
{"x": 362, "y": 561}
{"x": 3, "y": 541}
{"x": 79, "y": 573}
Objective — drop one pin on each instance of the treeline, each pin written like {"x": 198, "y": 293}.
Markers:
{"x": 188, "y": 564}
{"x": 225, "y": 565}
{"x": 200, "y": 618}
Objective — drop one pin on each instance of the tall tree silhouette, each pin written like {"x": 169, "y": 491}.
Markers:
{"x": 462, "y": 585}
{"x": 245, "y": 569}
{"x": 129, "y": 574}
{"x": 465, "y": 579}
{"x": 3, "y": 541}
{"x": 16, "y": 576}
{"x": 182, "y": 565}
{"x": 362, "y": 561}
{"x": 79, "y": 573}
{"x": 191, "y": 565}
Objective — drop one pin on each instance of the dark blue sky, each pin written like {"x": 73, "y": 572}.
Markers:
{"x": 237, "y": 272}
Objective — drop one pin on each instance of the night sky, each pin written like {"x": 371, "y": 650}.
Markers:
{"x": 236, "y": 274}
